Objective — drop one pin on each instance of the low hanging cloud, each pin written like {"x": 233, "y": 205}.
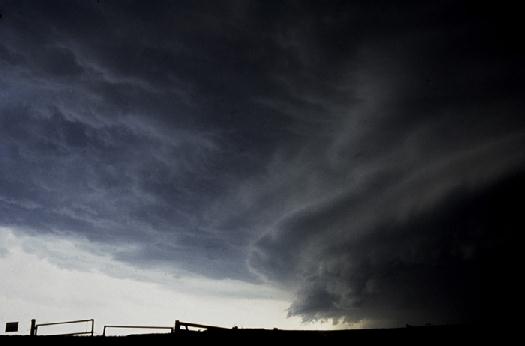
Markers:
{"x": 364, "y": 157}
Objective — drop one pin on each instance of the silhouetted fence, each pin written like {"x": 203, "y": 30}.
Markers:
{"x": 34, "y": 327}
{"x": 179, "y": 325}
{"x": 137, "y": 327}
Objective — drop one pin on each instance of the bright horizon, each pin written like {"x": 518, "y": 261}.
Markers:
{"x": 93, "y": 286}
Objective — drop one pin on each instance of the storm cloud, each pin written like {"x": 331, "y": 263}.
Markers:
{"x": 366, "y": 157}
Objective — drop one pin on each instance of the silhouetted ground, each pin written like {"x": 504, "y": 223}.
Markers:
{"x": 438, "y": 335}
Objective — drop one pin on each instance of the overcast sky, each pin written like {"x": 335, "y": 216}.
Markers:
{"x": 299, "y": 161}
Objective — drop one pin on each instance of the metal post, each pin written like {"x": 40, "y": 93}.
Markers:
{"x": 177, "y": 325}
{"x": 32, "y": 331}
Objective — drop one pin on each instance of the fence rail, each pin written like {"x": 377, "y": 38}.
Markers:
{"x": 137, "y": 327}
{"x": 34, "y": 326}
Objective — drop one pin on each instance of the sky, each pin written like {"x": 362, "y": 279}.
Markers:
{"x": 298, "y": 164}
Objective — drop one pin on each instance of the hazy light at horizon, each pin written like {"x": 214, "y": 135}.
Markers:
{"x": 40, "y": 286}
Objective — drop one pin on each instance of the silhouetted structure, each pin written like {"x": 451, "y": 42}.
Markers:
{"x": 186, "y": 325}
{"x": 11, "y": 327}
{"x": 34, "y": 327}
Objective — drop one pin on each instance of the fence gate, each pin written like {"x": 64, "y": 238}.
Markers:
{"x": 34, "y": 327}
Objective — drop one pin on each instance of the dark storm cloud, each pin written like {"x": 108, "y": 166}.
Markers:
{"x": 399, "y": 211}
{"x": 342, "y": 151}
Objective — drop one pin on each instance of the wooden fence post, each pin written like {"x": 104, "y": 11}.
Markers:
{"x": 32, "y": 331}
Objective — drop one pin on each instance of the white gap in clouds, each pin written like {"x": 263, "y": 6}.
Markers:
{"x": 54, "y": 279}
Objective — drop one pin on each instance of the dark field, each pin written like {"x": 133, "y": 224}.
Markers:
{"x": 404, "y": 336}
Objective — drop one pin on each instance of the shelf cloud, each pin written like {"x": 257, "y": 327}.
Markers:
{"x": 367, "y": 158}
